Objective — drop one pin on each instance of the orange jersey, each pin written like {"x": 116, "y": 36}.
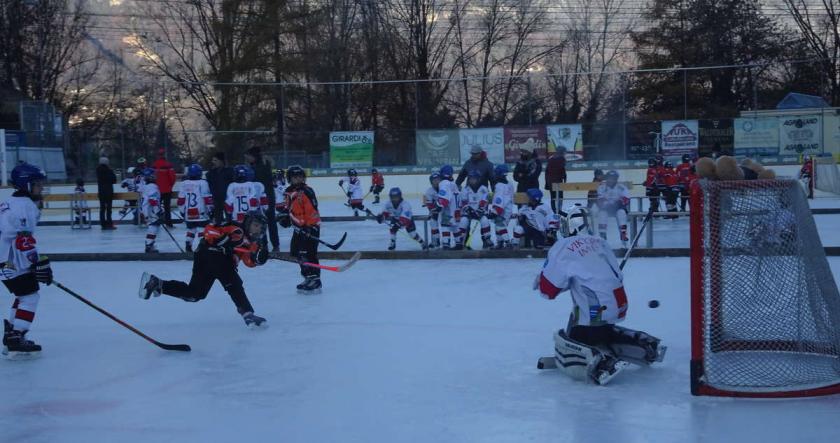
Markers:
{"x": 302, "y": 205}
{"x": 684, "y": 174}
{"x": 377, "y": 179}
{"x": 231, "y": 238}
{"x": 668, "y": 177}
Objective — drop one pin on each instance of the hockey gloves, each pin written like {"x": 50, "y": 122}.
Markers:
{"x": 43, "y": 271}
{"x": 261, "y": 256}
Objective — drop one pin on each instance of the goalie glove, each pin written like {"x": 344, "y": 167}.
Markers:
{"x": 43, "y": 271}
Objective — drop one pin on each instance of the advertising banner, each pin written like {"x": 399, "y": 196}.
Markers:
{"x": 530, "y": 138}
{"x": 569, "y": 137}
{"x": 800, "y": 134}
{"x": 491, "y": 140}
{"x": 831, "y": 131}
{"x": 351, "y": 149}
{"x": 717, "y": 136}
{"x": 680, "y": 137}
{"x": 437, "y": 147}
{"x": 757, "y": 136}
{"x": 642, "y": 140}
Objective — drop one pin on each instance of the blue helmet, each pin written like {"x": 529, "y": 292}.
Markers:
{"x": 434, "y": 176}
{"x": 149, "y": 175}
{"x": 395, "y": 192}
{"x": 500, "y": 170}
{"x": 194, "y": 171}
{"x": 24, "y": 174}
{"x": 240, "y": 173}
{"x": 446, "y": 171}
{"x": 534, "y": 194}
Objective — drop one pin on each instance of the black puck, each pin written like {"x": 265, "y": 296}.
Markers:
{"x": 653, "y": 304}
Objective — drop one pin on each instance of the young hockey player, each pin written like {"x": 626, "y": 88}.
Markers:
{"x": 355, "y": 198}
{"x": 668, "y": 187}
{"x": 806, "y": 175}
{"x": 280, "y": 209}
{"x": 448, "y": 203}
{"x": 537, "y": 223}
{"x": 377, "y": 184}
{"x": 397, "y": 212}
{"x": 79, "y": 206}
{"x": 430, "y": 202}
{"x": 23, "y": 269}
{"x": 131, "y": 184}
{"x": 216, "y": 258}
{"x": 260, "y": 199}
{"x": 685, "y": 175}
{"x": 474, "y": 200}
{"x": 591, "y": 348}
{"x": 592, "y": 195}
{"x": 303, "y": 215}
{"x": 243, "y": 195}
{"x": 195, "y": 203}
{"x": 501, "y": 210}
{"x": 613, "y": 201}
{"x": 653, "y": 182}
{"x": 151, "y": 208}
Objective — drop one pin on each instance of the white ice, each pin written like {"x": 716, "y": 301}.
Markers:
{"x": 391, "y": 351}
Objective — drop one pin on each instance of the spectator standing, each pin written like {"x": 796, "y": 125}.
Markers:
{"x": 165, "y": 175}
{"x": 264, "y": 175}
{"x": 555, "y": 172}
{"x": 105, "y": 181}
{"x": 527, "y": 171}
{"x": 219, "y": 177}
{"x": 477, "y": 162}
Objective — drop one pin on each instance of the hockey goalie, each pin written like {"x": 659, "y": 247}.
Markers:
{"x": 592, "y": 348}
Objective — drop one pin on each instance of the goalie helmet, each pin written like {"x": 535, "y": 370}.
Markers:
{"x": 576, "y": 220}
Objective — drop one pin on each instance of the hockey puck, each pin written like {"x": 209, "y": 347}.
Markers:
{"x": 653, "y": 304}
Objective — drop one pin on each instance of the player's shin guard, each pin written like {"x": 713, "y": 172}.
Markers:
{"x": 24, "y": 311}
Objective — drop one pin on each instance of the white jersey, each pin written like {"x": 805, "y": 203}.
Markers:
{"x": 79, "y": 199}
{"x": 279, "y": 192}
{"x": 503, "y": 199}
{"x": 613, "y": 197}
{"x": 476, "y": 199}
{"x": 541, "y": 218}
{"x": 18, "y": 217}
{"x": 241, "y": 198}
{"x": 150, "y": 202}
{"x": 261, "y": 197}
{"x": 354, "y": 188}
{"x": 195, "y": 200}
{"x": 447, "y": 197}
{"x": 430, "y": 199}
{"x": 401, "y": 213}
{"x": 586, "y": 266}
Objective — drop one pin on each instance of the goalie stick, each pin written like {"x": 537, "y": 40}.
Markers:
{"x": 340, "y": 268}
{"x": 168, "y": 347}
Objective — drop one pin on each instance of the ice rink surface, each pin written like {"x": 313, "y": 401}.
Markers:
{"x": 416, "y": 351}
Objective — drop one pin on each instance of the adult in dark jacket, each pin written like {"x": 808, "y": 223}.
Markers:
{"x": 527, "y": 171}
{"x": 555, "y": 172}
{"x": 264, "y": 175}
{"x": 219, "y": 177}
{"x": 477, "y": 162}
{"x": 105, "y": 181}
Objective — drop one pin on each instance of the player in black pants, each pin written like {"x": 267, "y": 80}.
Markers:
{"x": 216, "y": 258}
{"x": 303, "y": 216}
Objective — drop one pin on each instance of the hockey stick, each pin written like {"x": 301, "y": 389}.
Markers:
{"x": 173, "y": 238}
{"x": 646, "y": 221}
{"x": 340, "y": 268}
{"x": 334, "y": 247}
{"x": 182, "y": 348}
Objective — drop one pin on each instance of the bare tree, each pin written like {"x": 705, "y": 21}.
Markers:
{"x": 819, "y": 24}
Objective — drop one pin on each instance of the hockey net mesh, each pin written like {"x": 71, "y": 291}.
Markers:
{"x": 771, "y": 309}
{"x": 826, "y": 174}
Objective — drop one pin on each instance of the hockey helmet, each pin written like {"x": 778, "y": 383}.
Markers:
{"x": 611, "y": 177}
{"x": 194, "y": 171}
{"x": 433, "y": 177}
{"x": 446, "y": 172}
{"x": 240, "y": 173}
{"x": 668, "y": 165}
{"x": 501, "y": 170}
{"x": 659, "y": 159}
{"x": 651, "y": 162}
{"x": 130, "y": 170}
{"x": 576, "y": 220}
{"x": 24, "y": 175}
{"x": 80, "y": 181}
{"x": 686, "y": 158}
{"x": 352, "y": 173}
{"x": 295, "y": 171}
{"x": 374, "y": 170}
{"x": 149, "y": 175}
{"x": 598, "y": 174}
{"x": 395, "y": 194}
{"x": 254, "y": 224}
{"x": 534, "y": 194}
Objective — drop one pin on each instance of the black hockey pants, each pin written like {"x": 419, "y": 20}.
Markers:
{"x": 209, "y": 266}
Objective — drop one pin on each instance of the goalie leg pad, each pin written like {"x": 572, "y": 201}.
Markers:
{"x": 636, "y": 347}
{"x": 583, "y": 362}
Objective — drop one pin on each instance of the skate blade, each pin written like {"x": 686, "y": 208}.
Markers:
{"x": 19, "y": 356}
{"x": 660, "y": 353}
{"x": 256, "y": 327}
{"x": 143, "y": 281}
{"x": 310, "y": 292}
{"x": 547, "y": 363}
{"x": 605, "y": 377}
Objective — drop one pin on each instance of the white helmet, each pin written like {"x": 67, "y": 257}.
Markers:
{"x": 130, "y": 170}
{"x": 577, "y": 220}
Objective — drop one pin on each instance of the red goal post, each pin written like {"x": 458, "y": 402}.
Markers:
{"x": 765, "y": 310}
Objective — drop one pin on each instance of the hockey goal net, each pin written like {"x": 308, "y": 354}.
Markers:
{"x": 765, "y": 310}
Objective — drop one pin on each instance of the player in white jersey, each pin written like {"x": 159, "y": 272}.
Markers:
{"x": 280, "y": 208}
{"x": 474, "y": 201}
{"x": 195, "y": 203}
{"x": 80, "y": 212}
{"x": 242, "y": 195}
{"x": 130, "y": 184}
{"x": 613, "y": 201}
{"x": 354, "y": 192}
{"x": 260, "y": 203}
{"x": 150, "y": 206}
{"x": 537, "y": 222}
{"x": 501, "y": 208}
{"x": 430, "y": 202}
{"x": 592, "y": 347}
{"x": 397, "y": 212}
{"x": 23, "y": 268}
{"x": 450, "y": 213}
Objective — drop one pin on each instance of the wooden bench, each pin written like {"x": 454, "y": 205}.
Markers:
{"x": 92, "y": 196}
{"x": 583, "y": 186}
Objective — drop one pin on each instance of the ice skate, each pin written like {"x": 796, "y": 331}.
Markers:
{"x": 253, "y": 321}
{"x": 486, "y": 243}
{"x": 188, "y": 247}
{"x": 606, "y": 368}
{"x": 392, "y": 245}
{"x": 151, "y": 249}
{"x": 312, "y": 286}
{"x": 17, "y": 347}
{"x": 150, "y": 286}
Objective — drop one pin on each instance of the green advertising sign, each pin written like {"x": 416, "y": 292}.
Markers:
{"x": 351, "y": 149}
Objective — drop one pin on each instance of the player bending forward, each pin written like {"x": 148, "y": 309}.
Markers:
{"x": 474, "y": 200}
{"x": 216, "y": 258}
{"x": 592, "y": 347}
{"x": 355, "y": 197}
{"x": 537, "y": 223}
{"x": 397, "y": 212}
{"x": 151, "y": 209}
{"x": 501, "y": 209}
{"x": 23, "y": 269}
{"x": 430, "y": 202}
{"x": 613, "y": 201}
{"x": 195, "y": 203}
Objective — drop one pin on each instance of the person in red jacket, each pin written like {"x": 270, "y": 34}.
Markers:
{"x": 806, "y": 175}
{"x": 377, "y": 184}
{"x": 668, "y": 187}
{"x": 685, "y": 175}
{"x": 555, "y": 172}
{"x": 652, "y": 182}
{"x": 165, "y": 174}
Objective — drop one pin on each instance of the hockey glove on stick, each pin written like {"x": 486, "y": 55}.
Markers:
{"x": 43, "y": 271}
